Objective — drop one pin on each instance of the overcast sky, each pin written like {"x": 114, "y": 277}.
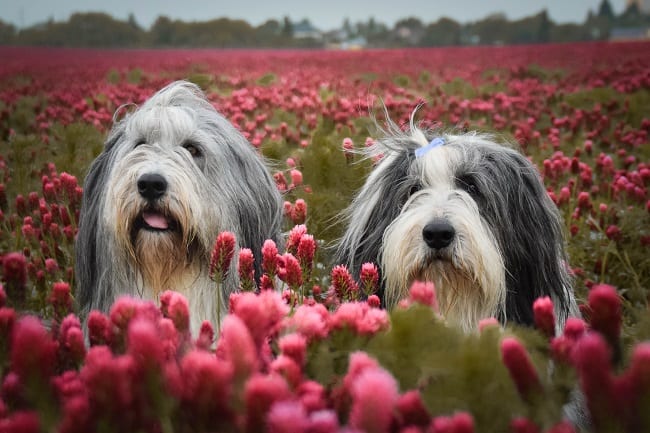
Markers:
{"x": 324, "y": 15}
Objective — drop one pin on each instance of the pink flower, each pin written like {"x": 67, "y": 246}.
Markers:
{"x": 299, "y": 212}
{"x": 296, "y": 177}
{"x": 287, "y": 417}
{"x": 544, "y": 316}
{"x": 143, "y": 344}
{"x": 369, "y": 277}
{"x": 206, "y": 335}
{"x": 290, "y": 273}
{"x": 222, "y": 253}
{"x": 14, "y": 271}
{"x": 99, "y": 329}
{"x": 21, "y": 422}
{"x": 269, "y": 258}
{"x": 33, "y": 353}
{"x": 459, "y": 423}
{"x": 293, "y": 240}
{"x": 373, "y": 301}
{"x": 424, "y": 293}
{"x": 238, "y": 348}
{"x": 605, "y": 312}
{"x": 246, "y": 270}
{"x": 487, "y": 323}
{"x": 260, "y": 392}
{"x": 294, "y": 346}
{"x": 61, "y": 299}
{"x": 374, "y": 394}
{"x": 323, "y": 421}
{"x": 306, "y": 250}
{"x": 310, "y": 321}
{"x": 207, "y": 384}
{"x": 287, "y": 367}
{"x": 520, "y": 367}
{"x": 262, "y": 314}
{"x": 523, "y": 425}
{"x": 591, "y": 357}
{"x": 174, "y": 306}
{"x": 411, "y": 409}
{"x": 343, "y": 283}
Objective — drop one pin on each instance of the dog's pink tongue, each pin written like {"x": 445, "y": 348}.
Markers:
{"x": 155, "y": 220}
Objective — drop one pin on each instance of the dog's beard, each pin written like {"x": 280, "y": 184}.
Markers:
{"x": 164, "y": 258}
{"x": 469, "y": 275}
{"x": 160, "y": 243}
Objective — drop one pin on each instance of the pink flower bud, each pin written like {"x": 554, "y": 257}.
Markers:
{"x": 299, "y": 212}
{"x": 294, "y": 346}
{"x": 369, "y": 277}
{"x": 206, "y": 336}
{"x": 269, "y": 258}
{"x": 521, "y": 369}
{"x": 290, "y": 273}
{"x": 174, "y": 306}
{"x": 14, "y": 271}
{"x": 373, "y": 301}
{"x": 293, "y": 240}
{"x": 296, "y": 177}
{"x": 489, "y": 322}
{"x": 544, "y": 316}
{"x": 236, "y": 346}
{"x": 246, "y": 270}
{"x": 605, "y": 312}
{"x": 99, "y": 329}
{"x": 260, "y": 392}
{"x": 207, "y": 384}
{"x": 374, "y": 394}
{"x": 306, "y": 251}
{"x": 343, "y": 283}
{"x": 424, "y": 293}
{"x": 33, "y": 353}
{"x": 523, "y": 425}
{"x": 287, "y": 417}
{"x": 411, "y": 409}
{"x": 222, "y": 253}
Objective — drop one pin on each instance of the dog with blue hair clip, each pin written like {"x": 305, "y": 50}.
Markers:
{"x": 467, "y": 213}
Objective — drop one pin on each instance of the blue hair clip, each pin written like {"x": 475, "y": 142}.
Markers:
{"x": 421, "y": 151}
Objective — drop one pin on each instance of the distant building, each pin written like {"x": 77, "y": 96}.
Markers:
{"x": 304, "y": 29}
{"x": 629, "y": 33}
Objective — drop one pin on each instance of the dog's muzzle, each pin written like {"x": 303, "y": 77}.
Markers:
{"x": 438, "y": 234}
{"x": 152, "y": 186}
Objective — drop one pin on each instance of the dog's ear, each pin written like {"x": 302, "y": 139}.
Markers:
{"x": 90, "y": 251}
{"x": 259, "y": 208}
{"x": 532, "y": 243}
{"x": 376, "y": 206}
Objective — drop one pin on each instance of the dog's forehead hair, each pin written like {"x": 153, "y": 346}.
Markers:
{"x": 164, "y": 125}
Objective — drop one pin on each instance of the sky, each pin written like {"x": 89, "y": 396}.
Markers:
{"x": 325, "y": 15}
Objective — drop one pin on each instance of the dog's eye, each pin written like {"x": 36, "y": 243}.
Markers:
{"x": 193, "y": 149}
{"x": 414, "y": 189}
{"x": 140, "y": 142}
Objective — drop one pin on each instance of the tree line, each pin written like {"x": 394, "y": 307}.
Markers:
{"x": 102, "y": 30}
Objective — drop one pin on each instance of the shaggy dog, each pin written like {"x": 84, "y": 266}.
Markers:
{"x": 172, "y": 175}
{"x": 468, "y": 214}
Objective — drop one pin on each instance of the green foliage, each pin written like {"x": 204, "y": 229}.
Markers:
{"x": 267, "y": 79}
{"x": 332, "y": 177}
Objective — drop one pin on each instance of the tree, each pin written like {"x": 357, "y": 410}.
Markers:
{"x": 287, "y": 27}
{"x": 605, "y": 10}
{"x": 443, "y": 32}
{"x": 7, "y": 33}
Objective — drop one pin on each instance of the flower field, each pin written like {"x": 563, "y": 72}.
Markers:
{"x": 319, "y": 355}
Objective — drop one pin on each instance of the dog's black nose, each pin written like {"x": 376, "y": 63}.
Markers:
{"x": 152, "y": 186}
{"x": 438, "y": 234}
